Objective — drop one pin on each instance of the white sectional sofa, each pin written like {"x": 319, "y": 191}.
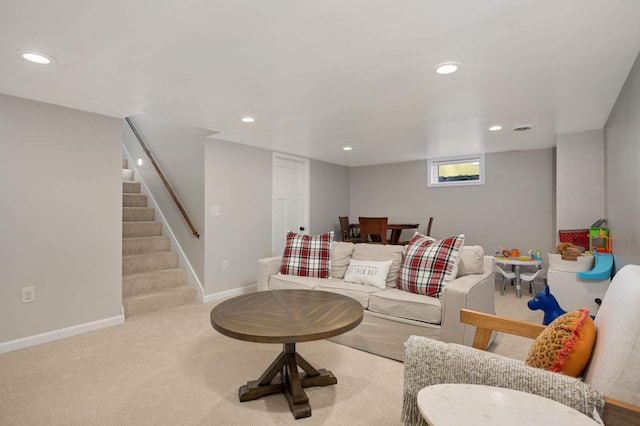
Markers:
{"x": 392, "y": 315}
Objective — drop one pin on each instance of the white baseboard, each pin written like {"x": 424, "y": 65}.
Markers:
{"x": 50, "y": 336}
{"x": 230, "y": 293}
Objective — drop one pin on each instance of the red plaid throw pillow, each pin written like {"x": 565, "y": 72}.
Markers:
{"x": 307, "y": 256}
{"x": 427, "y": 264}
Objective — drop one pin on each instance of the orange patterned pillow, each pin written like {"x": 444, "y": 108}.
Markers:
{"x": 565, "y": 345}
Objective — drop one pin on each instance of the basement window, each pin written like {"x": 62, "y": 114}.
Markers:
{"x": 456, "y": 171}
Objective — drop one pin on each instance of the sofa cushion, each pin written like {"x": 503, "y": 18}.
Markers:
{"x": 340, "y": 256}
{"x": 381, "y": 252}
{"x": 407, "y": 305}
{"x": 293, "y": 282}
{"x": 368, "y": 272}
{"x": 428, "y": 265}
{"x": 358, "y": 292}
{"x": 471, "y": 260}
{"x": 307, "y": 256}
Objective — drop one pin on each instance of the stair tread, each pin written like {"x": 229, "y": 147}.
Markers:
{"x": 152, "y": 281}
{"x": 140, "y": 221}
{"x": 150, "y": 237}
{"x": 156, "y": 272}
{"x": 141, "y": 228}
{"x": 150, "y": 294}
{"x": 134, "y": 223}
{"x": 148, "y": 244}
{"x": 155, "y": 301}
{"x": 130, "y": 256}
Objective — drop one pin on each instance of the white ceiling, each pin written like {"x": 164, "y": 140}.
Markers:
{"x": 319, "y": 75}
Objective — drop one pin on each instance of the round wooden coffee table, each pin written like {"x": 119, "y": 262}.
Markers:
{"x": 287, "y": 317}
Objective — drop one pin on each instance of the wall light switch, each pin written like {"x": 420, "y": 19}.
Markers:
{"x": 216, "y": 211}
{"x": 28, "y": 294}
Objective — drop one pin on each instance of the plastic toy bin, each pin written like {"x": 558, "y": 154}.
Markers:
{"x": 578, "y": 237}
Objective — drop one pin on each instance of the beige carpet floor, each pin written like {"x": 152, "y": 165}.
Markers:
{"x": 508, "y": 305}
{"x": 172, "y": 368}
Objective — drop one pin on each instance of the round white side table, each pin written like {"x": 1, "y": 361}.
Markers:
{"x": 465, "y": 404}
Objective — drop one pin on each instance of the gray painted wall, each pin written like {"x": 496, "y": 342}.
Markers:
{"x": 179, "y": 152}
{"x": 579, "y": 179}
{"x": 238, "y": 179}
{"x": 622, "y": 172}
{"x": 60, "y": 217}
{"x": 329, "y": 197}
{"x": 514, "y": 209}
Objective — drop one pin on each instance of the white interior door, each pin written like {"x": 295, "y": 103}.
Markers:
{"x": 290, "y": 199}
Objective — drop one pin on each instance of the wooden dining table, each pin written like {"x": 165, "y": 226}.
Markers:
{"x": 396, "y": 230}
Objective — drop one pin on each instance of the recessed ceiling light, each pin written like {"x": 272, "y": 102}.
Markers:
{"x": 495, "y": 128}
{"x": 36, "y": 57}
{"x": 347, "y": 148}
{"x": 522, "y": 128}
{"x": 447, "y": 67}
{"x": 248, "y": 119}
{"x": 139, "y": 161}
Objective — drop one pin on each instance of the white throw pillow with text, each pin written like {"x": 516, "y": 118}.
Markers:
{"x": 368, "y": 272}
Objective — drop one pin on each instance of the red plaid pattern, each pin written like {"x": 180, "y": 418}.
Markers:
{"x": 427, "y": 264}
{"x": 307, "y": 256}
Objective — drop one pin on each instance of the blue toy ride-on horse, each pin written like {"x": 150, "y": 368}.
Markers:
{"x": 547, "y": 302}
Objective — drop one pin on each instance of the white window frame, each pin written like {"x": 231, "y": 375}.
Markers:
{"x": 432, "y": 170}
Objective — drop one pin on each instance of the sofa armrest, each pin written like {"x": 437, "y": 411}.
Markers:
{"x": 475, "y": 292}
{"x": 429, "y": 362}
{"x": 267, "y": 267}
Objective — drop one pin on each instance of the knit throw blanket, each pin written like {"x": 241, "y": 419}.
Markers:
{"x": 430, "y": 362}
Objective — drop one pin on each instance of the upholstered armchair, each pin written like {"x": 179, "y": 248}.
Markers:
{"x": 608, "y": 391}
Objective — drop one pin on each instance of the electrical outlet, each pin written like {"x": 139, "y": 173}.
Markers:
{"x": 225, "y": 265}
{"x": 28, "y": 294}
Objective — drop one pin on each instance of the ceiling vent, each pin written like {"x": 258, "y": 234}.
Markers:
{"x": 522, "y": 128}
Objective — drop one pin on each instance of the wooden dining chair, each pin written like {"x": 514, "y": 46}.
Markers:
{"x": 375, "y": 228}
{"x": 347, "y": 232}
{"x": 428, "y": 234}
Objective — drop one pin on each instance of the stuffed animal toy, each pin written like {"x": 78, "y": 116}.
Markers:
{"x": 568, "y": 251}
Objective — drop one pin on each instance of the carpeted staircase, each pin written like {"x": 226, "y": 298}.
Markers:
{"x": 151, "y": 278}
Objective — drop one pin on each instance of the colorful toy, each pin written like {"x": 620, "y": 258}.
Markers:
{"x": 547, "y": 302}
{"x": 535, "y": 254}
{"x": 601, "y": 270}
{"x": 568, "y": 251}
{"x": 601, "y": 243}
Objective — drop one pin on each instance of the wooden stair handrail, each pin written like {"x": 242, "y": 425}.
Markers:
{"x": 164, "y": 180}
